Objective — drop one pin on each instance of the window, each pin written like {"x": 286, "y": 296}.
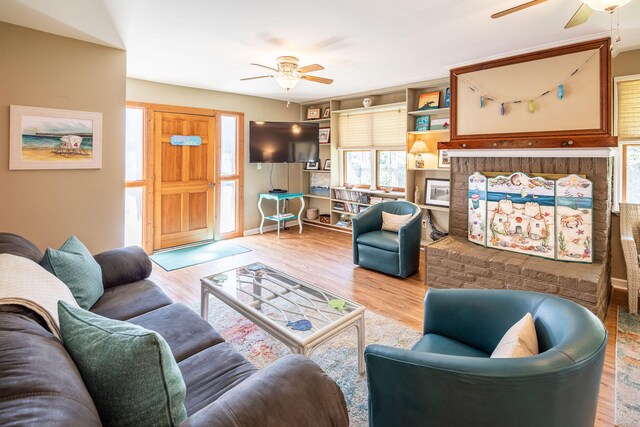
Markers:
{"x": 357, "y": 168}
{"x": 392, "y": 169}
{"x": 135, "y": 178}
{"x": 230, "y": 174}
{"x": 627, "y": 127}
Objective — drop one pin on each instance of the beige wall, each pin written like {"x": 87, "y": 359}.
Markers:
{"x": 255, "y": 181}
{"x": 40, "y": 69}
{"x": 624, "y": 64}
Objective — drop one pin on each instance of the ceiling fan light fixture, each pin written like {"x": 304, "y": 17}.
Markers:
{"x": 605, "y": 5}
{"x": 287, "y": 81}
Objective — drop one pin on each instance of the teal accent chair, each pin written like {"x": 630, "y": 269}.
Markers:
{"x": 448, "y": 379}
{"x": 392, "y": 253}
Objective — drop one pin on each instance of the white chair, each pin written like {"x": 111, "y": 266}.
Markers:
{"x": 630, "y": 236}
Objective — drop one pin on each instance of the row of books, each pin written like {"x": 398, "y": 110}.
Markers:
{"x": 352, "y": 196}
{"x": 348, "y": 207}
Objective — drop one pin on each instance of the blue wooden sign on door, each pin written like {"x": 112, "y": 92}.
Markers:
{"x": 186, "y": 140}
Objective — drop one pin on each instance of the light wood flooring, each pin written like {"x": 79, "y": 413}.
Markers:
{"x": 323, "y": 257}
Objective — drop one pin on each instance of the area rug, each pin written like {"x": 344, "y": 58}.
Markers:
{"x": 628, "y": 369}
{"x": 192, "y": 255}
{"x": 338, "y": 357}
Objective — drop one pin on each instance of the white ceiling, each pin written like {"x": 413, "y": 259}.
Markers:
{"x": 363, "y": 45}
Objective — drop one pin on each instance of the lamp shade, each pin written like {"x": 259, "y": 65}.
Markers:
{"x": 605, "y": 5}
{"x": 419, "y": 147}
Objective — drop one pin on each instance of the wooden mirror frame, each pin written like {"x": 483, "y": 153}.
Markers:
{"x": 600, "y": 137}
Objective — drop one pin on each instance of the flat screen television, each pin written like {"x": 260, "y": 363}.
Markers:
{"x": 283, "y": 142}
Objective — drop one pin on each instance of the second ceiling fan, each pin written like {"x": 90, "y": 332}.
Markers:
{"x": 579, "y": 17}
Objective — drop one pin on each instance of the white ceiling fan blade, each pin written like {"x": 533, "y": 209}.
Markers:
{"x": 253, "y": 78}
{"x": 580, "y": 17}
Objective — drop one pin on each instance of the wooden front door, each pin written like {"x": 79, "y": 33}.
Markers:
{"x": 184, "y": 180}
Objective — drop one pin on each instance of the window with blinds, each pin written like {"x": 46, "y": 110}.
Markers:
{"x": 373, "y": 129}
{"x": 629, "y": 109}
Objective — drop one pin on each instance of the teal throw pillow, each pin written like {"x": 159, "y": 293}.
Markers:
{"x": 74, "y": 265}
{"x": 129, "y": 371}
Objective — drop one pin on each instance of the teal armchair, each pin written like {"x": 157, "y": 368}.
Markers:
{"x": 392, "y": 253}
{"x": 448, "y": 379}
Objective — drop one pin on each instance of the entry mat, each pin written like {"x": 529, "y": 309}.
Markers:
{"x": 192, "y": 255}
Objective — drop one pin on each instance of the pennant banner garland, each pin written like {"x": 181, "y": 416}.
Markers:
{"x": 531, "y": 102}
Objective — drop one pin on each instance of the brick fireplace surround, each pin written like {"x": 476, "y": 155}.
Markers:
{"x": 454, "y": 262}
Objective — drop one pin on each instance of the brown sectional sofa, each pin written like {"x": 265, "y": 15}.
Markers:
{"x": 40, "y": 385}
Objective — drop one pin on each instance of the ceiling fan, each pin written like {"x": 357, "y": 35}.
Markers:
{"x": 288, "y": 74}
{"x": 582, "y": 14}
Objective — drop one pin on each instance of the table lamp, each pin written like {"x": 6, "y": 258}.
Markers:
{"x": 418, "y": 148}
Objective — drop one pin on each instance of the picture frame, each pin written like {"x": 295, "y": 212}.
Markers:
{"x": 327, "y": 165}
{"x": 326, "y": 114}
{"x": 324, "y": 135}
{"x": 423, "y": 123}
{"x": 312, "y": 166}
{"x": 49, "y": 138}
{"x": 447, "y": 98}
{"x": 313, "y": 114}
{"x": 429, "y": 101}
{"x": 440, "y": 124}
{"x": 444, "y": 162}
{"x": 437, "y": 192}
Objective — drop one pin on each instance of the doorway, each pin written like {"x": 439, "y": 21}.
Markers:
{"x": 188, "y": 175}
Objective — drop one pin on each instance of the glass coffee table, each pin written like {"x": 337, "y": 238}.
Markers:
{"x": 298, "y": 314}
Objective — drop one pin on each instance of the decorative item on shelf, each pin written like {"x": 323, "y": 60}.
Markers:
{"x": 429, "y": 101}
{"x": 313, "y": 113}
{"x": 440, "y": 124}
{"x": 422, "y": 123}
{"x": 416, "y": 196}
{"x": 348, "y": 186}
{"x": 437, "y": 192}
{"x": 312, "y": 214}
{"x": 312, "y": 166}
{"x": 418, "y": 148}
{"x": 447, "y": 98}
{"x": 325, "y": 218}
{"x": 367, "y": 102}
{"x": 386, "y": 189}
{"x": 47, "y": 138}
{"x": 327, "y": 164}
{"x": 326, "y": 114}
{"x": 324, "y": 135}
{"x": 444, "y": 161}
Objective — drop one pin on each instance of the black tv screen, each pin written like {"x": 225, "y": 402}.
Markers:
{"x": 283, "y": 142}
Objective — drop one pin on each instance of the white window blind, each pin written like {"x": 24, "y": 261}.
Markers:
{"x": 629, "y": 109}
{"x": 375, "y": 129}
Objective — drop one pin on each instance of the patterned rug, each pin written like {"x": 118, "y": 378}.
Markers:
{"x": 337, "y": 357}
{"x": 628, "y": 369}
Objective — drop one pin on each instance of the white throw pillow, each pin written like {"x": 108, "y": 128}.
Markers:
{"x": 519, "y": 341}
{"x": 392, "y": 222}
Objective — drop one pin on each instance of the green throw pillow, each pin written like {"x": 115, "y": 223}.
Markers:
{"x": 129, "y": 371}
{"x": 74, "y": 265}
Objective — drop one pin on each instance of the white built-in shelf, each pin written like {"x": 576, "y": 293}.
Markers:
{"x": 316, "y": 196}
{"x": 342, "y": 212}
{"x": 317, "y": 120}
{"x": 435, "y": 208}
{"x": 316, "y": 170}
{"x": 372, "y": 109}
{"x": 349, "y": 201}
{"x": 424, "y": 132}
{"x": 432, "y": 112}
{"x": 368, "y": 190}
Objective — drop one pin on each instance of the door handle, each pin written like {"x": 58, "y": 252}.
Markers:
{"x": 211, "y": 185}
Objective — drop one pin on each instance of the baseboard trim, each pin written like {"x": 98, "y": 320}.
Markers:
{"x": 618, "y": 283}
{"x": 272, "y": 227}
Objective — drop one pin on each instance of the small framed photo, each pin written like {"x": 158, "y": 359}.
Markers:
{"x": 429, "y": 101}
{"x": 312, "y": 166}
{"x": 327, "y": 164}
{"x": 326, "y": 114}
{"x": 437, "y": 192}
{"x": 324, "y": 135}
{"x": 443, "y": 159}
{"x": 440, "y": 124}
{"x": 313, "y": 113}
{"x": 422, "y": 123}
{"x": 447, "y": 98}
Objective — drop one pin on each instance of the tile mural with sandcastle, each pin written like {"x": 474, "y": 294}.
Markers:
{"x": 532, "y": 215}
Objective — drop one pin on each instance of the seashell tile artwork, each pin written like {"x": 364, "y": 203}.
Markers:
{"x": 532, "y": 215}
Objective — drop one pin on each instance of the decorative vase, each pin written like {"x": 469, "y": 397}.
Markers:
{"x": 367, "y": 102}
{"x": 312, "y": 213}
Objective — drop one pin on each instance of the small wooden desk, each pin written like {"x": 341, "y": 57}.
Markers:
{"x": 278, "y": 197}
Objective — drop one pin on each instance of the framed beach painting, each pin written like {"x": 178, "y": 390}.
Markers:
{"x": 47, "y": 138}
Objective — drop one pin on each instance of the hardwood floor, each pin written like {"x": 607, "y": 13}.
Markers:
{"x": 323, "y": 257}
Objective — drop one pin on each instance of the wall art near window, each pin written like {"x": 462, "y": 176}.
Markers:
{"x": 521, "y": 214}
{"x": 574, "y": 219}
{"x": 477, "y": 196}
{"x": 46, "y": 138}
